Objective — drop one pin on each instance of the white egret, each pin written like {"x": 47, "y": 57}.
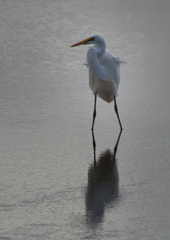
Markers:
{"x": 104, "y": 72}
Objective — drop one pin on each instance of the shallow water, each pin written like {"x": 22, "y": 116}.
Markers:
{"x": 57, "y": 181}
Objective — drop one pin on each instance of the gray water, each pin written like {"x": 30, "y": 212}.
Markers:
{"x": 54, "y": 183}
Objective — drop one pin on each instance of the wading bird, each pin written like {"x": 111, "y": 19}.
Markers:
{"x": 104, "y": 72}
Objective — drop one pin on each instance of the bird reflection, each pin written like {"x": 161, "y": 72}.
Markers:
{"x": 103, "y": 184}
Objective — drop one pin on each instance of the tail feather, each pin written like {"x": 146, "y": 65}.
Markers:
{"x": 118, "y": 60}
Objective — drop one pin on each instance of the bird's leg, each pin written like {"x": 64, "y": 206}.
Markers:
{"x": 116, "y": 146}
{"x": 117, "y": 113}
{"x": 94, "y": 112}
{"x": 94, "y": 148}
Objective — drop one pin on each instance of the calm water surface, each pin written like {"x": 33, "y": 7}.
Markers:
{"x": 58, "y": 181}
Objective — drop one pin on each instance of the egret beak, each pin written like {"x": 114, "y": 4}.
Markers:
{"x": 85, "y": 41}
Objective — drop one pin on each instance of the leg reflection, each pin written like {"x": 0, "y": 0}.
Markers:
{"x": 103, "y": 183}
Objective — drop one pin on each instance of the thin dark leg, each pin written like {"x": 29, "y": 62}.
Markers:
{"x": 94, "y": 147}
{"x": 94, "y": 112}
{"x": 116, "y": 110}
{"x": 116, "y": 146}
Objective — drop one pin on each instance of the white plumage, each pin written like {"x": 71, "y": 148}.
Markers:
{"x": 106, "y": 81}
